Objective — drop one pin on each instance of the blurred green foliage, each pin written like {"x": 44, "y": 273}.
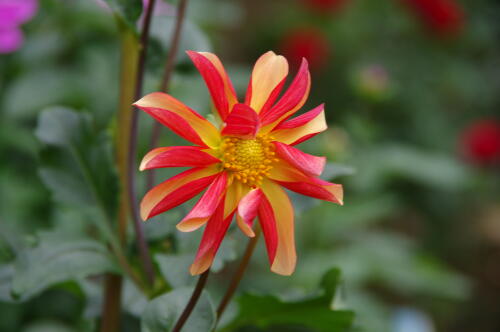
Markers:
{"x": 420, "y": 226}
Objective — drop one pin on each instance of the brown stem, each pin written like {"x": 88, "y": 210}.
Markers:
{"x": 167, "y": 74}
{"x": 202, "y": 280}
{"x": 142, "y": 245}
{"x": 238, "y": 275}
{"x": 110, "y": 321}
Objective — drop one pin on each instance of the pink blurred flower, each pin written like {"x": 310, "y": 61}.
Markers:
{"x": 13, "y": 13}
{"x": 445, "y": 17}
{"x": 480, "y": 142}
{"x": 309, "y": 43}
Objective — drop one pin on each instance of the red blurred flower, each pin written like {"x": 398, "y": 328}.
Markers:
{"x": 243, "y": 161}
{"x": 480, "y": 142}
{"x": 445, "y": 17}
{"x": 324, "y": 6}
{"x": 309, "y": 43}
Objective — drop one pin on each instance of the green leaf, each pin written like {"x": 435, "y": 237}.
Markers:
{"x": 162, "y": 313}
{"x": 175, "y": 268}
{"x": 77, "y": 162}
{"x": 56, "y": 258}
{"x": 315, "y": 312}
{"x": 126, "y": 10}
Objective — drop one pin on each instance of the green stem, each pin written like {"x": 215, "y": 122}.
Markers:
{"x": 128, "y": 75}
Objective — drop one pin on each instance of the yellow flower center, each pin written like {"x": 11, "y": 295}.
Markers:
{"x": 248, "y": 160}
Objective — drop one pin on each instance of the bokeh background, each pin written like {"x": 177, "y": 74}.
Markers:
{"x": 412, "y": 93}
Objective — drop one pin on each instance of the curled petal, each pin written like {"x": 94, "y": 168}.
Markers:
{"x": 216, "y": 228}
{"x": 268, "y": 77}
{"x": 267, "y": 222}
{"x": 218, "y": 82}
{"x": 308, "y": 164}
{"x": 282, "y": 210}
{"x": 247, "y": 211}
{"x": 302, "y": 127}
{"x": 179, "y": 118}
{"x": 206, "y": 206}
{"x": 177, "y": 156}
{"x": 176, "y": 190}
{"x": 291, "y": 101}
{"x": 235, "y": 191}
{"x": 242, "y": 122}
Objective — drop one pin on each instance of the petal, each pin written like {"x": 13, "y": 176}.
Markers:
{"x": 247, "y": 211}
{"x": 179, "y": 118}
{"x": 308, "y": 164}
{"x": 218, "y": 82}
{"x": 242, "y": 122}
{"x": 268, "y": 224}
{"x": 176, "y": 190}
{"x": 210, "y": 242}
{"x": 282, "y": 209}
{"x": 291, "y": 178}
{"x": 235, "y": 191}
{"x": 268, "y": 77}
{"x": 291, "y": 101}
{"x": 177, "y": 156}
{"x": 302, "y": 127}
{"x": 317, "y": 188}
{"x": 206, "y": 206}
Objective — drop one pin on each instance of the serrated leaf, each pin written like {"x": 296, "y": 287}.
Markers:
{"x": 56, "y": 258}
{"x": 77, "y": 162}
{"x": 313, "y": 312}
{"x": 162, "y": 313}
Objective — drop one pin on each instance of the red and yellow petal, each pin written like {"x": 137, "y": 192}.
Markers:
{"x": 182, "y": 120}
{"x": 216, "y": 228}
{"x": 177, "y": 156}
{"x": 242, "y": 122}
{"x": 235, "y": 191}
{"x": 282, "y": 210}
{"x": 176, "y": 190}
{"x": 290, "y": 102}
{"x": 308, "y": 164}
{"x": 268, "y": 225}
{"x": 218, "y": 82}
{"x": 248, "y": 208}
{"x": 302, "y": 127}
{"x": 206, "y": 206}
{"x": 268, "y": 77}
{"x": 293, "y": 179}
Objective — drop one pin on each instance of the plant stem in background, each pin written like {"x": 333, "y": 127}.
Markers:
{"x": 238, "y": 275}
{"x": 167, "y": 74}
{"x": 142, "y": 245}
{"x": 128, "y": 76}
{"x": 202, "y": 280}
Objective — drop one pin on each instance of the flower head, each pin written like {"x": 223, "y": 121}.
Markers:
{"x": 243, "y": 162}
{"x": 13, "y": 13}
{"x": 309, "y": 43}
{"x": 445, "y": 17}
{"x": 480, "y": 142}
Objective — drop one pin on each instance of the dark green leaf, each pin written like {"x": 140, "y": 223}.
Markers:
{"x": 162, "y": 313}
{"x": 77, "y": 162}
{"x": 315, "y": 312}
{"x": 127, "y": 10}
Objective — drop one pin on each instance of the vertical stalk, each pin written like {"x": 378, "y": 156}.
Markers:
{"x": 128, "y": 73}
{"x": 195, "y": 296}
{"x": 238, "y": 275}
{"x": 132, "y": 147}
{"x": 167, "y": 74}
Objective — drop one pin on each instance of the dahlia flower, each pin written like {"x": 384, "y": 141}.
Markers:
{"x": 243, "y": 161}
